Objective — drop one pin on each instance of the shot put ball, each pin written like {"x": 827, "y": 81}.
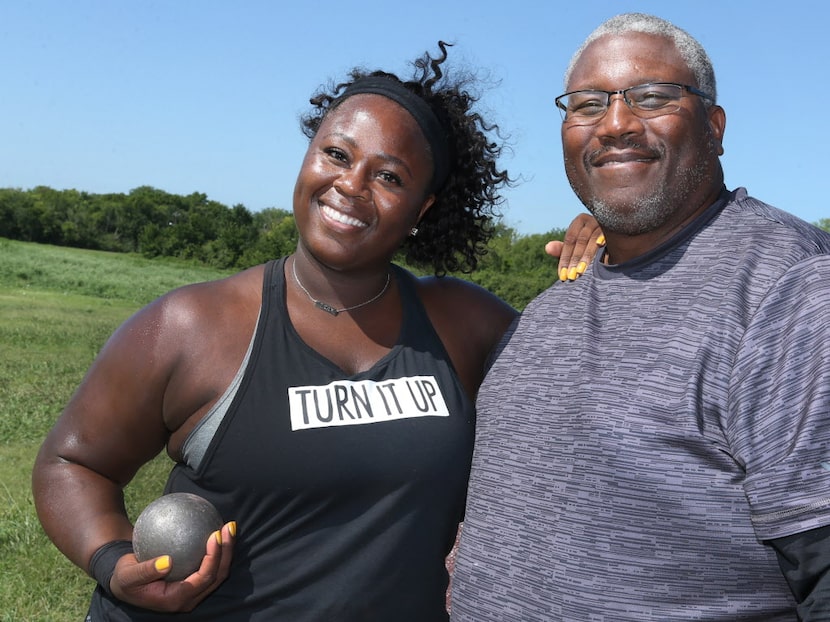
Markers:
{"x": 178, "y": 525}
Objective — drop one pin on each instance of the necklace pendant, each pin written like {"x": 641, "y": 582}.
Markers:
{"x": 326, "y": 307}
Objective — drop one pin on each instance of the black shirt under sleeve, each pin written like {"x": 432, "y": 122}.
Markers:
{"x": 805, "y": 561}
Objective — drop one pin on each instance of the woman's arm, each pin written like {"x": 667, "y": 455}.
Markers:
{"x": 118, "y": 420}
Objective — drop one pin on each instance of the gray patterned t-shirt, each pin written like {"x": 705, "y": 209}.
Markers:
{"x": 646, "y": 427}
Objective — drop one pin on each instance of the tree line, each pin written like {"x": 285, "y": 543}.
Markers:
{"x": 155, "y": 223}
{"x": 148, "y": 221}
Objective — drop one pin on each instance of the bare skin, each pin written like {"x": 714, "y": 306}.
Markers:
{"x": 359, "y": 192}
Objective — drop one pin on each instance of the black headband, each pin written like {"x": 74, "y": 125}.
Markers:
{"x": 422, "y": 113}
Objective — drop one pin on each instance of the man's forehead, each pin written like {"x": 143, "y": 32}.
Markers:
{"x": 616, "y": 61}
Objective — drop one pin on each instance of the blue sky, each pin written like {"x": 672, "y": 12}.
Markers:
{"x": 204, "y": 95}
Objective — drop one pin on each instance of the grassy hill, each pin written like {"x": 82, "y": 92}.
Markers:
{"x": 57, "y": 308}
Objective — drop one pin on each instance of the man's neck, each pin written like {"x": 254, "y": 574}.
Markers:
{"x": 621, "y": 248}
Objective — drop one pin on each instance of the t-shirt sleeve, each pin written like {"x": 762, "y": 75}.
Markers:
{"x": 778, "y": 424}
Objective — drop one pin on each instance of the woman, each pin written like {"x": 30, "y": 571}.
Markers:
{"x": 323, "y": 401}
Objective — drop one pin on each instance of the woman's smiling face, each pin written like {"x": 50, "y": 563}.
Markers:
{"x": 363, "y": 182}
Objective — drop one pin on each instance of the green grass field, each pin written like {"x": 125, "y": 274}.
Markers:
{"x": 57, "y": 308}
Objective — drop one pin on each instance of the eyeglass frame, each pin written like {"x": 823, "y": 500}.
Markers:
{"x": 624, "y": 92}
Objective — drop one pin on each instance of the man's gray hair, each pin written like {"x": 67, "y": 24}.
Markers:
{"x": 689, "y": 48}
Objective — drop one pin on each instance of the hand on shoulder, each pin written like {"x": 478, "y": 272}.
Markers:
{"x": 578, "y": 248}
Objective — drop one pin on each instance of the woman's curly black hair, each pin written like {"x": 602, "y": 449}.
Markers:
{"x": 454, "y": 232}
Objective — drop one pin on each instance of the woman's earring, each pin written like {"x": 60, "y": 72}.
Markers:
{"x": 413, "y": 232}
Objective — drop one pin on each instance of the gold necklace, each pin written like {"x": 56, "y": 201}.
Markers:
{"x": 326, "y": 306}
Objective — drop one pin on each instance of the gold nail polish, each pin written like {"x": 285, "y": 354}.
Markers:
{"x": 218, "y": 536}
{"x": 563, "y": 274}
{"x": 572, "y": 274}
{"x": 162, "y": 563}
{"x": 581, "y": 267}
{"x": 232, "y": 528}
{"x": 601, "y": 240}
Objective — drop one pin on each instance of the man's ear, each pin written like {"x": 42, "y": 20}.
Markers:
{"x": 717, "y": 121}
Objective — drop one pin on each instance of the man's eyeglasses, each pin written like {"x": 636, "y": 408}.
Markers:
{"x": 644, "y": 100}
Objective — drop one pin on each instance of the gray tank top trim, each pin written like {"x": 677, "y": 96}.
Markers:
{"x": 196, "y": 443}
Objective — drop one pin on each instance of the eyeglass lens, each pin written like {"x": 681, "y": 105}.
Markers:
{"x": 646, "y": 100}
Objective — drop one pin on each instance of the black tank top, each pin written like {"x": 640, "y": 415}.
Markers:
{"x": 347, "y": 489}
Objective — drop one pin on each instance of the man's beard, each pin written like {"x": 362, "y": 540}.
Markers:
{"x": 650, "y": 211}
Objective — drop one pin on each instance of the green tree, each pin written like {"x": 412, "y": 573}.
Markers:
{"x": 177, "y": 226}
{"x": 145, "y": 206}
{"x": 16, "y": 209}
{"x": 276, "y": 236}
{"x": 516, "y": 267}
{"x": 236, "y": 233}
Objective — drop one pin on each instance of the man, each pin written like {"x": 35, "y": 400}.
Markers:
{"x": 653, "y": 439}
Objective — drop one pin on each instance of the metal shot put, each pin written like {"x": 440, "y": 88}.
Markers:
{"x": 178, "y": 525}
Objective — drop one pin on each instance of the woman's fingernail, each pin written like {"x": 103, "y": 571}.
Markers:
{"x": 581, "y": 267}
{"x": 162, "y": 563}
{"x": 218, "y": 536}
{"x": 572, "y": 274}
{"x": 563, "y": 274}
{"x": 601, "y": 240}
{"x": 232, "y": 528}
